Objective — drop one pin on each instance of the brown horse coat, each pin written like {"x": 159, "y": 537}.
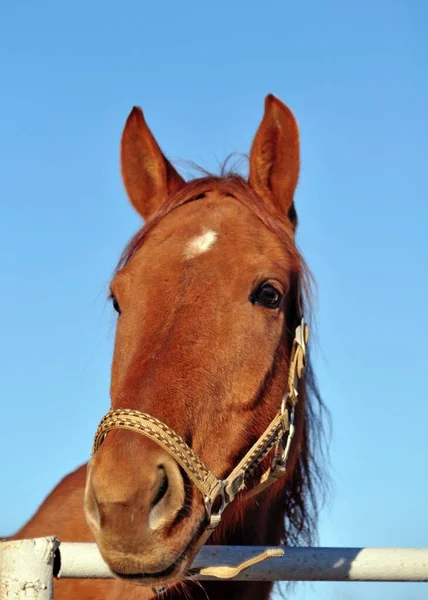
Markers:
{"x": 208, "y": 296}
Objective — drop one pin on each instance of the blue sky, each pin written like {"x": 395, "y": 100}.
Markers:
{"x": 355, "y": 75}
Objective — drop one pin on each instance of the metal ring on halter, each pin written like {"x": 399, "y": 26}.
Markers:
{"x": 208, "y": 503}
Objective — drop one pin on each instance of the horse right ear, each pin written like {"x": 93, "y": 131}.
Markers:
{"x": 148, "y": 176}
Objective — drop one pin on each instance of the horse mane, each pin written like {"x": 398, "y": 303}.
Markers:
{"x": 305, "y": 493}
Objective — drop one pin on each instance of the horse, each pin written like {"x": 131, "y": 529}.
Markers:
{"x": 209, "y": 295}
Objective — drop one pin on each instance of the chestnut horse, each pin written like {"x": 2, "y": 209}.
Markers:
{"x": 209, "y": 296}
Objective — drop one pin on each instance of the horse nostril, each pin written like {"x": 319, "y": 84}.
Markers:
{"x": 167, "y": 494}
{"x": 162, "y": 486}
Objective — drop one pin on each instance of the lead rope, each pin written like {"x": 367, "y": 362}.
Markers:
{"x": 278, "y": 436}
{"x": 227, "y": 572}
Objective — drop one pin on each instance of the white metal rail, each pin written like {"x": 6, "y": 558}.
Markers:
{"x": 27, "y": 567}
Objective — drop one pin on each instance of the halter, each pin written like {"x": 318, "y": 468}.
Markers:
{"x": 276, "y": 437}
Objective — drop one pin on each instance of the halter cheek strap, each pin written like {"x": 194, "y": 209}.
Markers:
{"x": 277, "y": 438}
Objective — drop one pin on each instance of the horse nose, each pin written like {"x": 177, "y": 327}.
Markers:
{"x": 132, "y": 495}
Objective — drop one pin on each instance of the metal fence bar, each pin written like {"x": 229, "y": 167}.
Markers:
{"x": 297, "y": 564}
{"x": 26, "y": 569}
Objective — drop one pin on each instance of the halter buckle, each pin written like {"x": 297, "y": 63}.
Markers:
{"x": 224, "y": 501}
{"x": 282, "y": 450}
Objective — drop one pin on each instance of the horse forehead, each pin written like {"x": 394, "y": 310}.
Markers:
{"x": 205, "y": 232}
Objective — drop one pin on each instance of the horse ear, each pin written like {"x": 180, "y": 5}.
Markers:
{"x": 148, "y": 176}
{"x": 274, "y": 158}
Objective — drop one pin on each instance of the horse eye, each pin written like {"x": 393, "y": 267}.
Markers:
{"x": 116, "y": 305}
{"x": 267, "y": 296}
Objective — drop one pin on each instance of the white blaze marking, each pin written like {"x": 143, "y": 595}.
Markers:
{"x": 200, "y": 244}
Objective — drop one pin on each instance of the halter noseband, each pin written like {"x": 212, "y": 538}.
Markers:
{"x": 277, "y": 436}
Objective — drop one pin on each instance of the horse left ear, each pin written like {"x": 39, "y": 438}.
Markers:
{"x": 274, "y": 158}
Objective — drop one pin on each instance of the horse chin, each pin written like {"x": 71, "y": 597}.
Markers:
{"x": 160, "y": 580}
{"x": 166, "y": 570}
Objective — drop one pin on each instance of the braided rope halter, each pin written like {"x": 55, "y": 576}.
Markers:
{"x": 276, "y": 439}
